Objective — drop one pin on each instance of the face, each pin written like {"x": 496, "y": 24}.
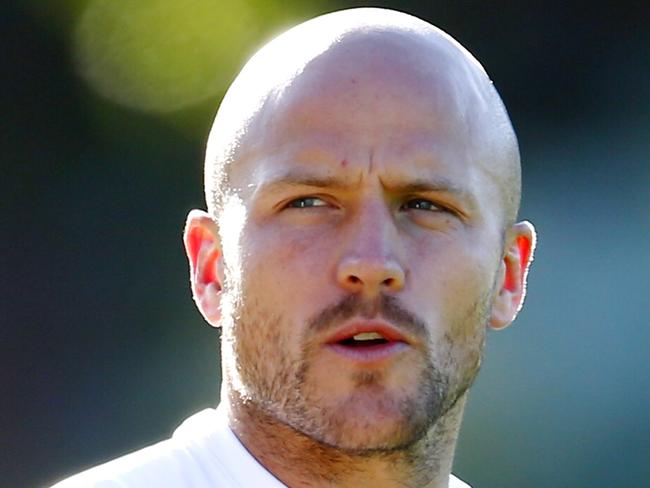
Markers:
{"x": 362, "y": 245}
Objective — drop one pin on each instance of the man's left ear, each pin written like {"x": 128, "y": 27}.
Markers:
{"x": 521, "y": 240}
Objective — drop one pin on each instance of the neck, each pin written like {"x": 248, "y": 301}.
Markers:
{"x": 300, "y": 461}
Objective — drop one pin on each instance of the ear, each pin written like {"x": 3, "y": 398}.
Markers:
{"x": 521, "y": 240}
{"x": 201, "y": 239}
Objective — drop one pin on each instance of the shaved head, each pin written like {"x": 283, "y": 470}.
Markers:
{"x": 376, "y": 59}
{"x": 363, "y": 181}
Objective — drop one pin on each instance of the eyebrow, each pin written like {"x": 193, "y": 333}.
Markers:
{"x": 418, "y": 185}
{"x": 300, "y": 179}
{"x": 430, "y": 185}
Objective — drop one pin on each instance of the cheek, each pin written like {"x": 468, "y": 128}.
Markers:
{"x": 450, "y": 280}
{"x": 452, "y": 294}
{"x": 285, "y": 272}
{"x": 275, "y": 247}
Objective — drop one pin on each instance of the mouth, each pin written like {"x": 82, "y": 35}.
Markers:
{"x": 364, "y": 339}
{"x": 367, "y": 342}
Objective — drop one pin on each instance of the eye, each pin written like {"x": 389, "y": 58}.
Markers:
{"x": 306, "y": 202}
{"x": 421, "y": 204}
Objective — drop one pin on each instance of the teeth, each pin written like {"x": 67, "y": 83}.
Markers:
{"x": 367, "y": 336}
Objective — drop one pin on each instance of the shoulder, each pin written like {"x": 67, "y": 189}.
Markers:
{"x": 182, "y": 460}
{"x": 139, "y": 468}
{"x": 457, "y": 483}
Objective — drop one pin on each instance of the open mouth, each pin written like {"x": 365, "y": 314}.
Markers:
{"x": 371, "y": 345}
{"x": 364, "y": 339}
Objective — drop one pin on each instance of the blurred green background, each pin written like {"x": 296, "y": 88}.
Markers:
{"x": 106, "y": 108}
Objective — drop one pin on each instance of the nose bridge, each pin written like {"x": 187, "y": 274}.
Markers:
{"x": 370, "y": 258}
{"x": 372, "y": 230}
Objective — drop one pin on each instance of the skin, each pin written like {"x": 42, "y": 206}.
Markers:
{"x": 376, "y": 179}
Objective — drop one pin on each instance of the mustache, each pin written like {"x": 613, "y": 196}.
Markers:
{"x": 386, "y": 306}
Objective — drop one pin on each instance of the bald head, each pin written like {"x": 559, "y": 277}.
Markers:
{"x": 360, "y": 160}
{"x": 371, "y": 72}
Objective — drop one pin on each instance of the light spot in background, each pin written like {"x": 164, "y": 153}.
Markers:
{"x": 165, "y": 55}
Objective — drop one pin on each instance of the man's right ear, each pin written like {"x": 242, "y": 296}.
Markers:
{"x": 202, "y": 245}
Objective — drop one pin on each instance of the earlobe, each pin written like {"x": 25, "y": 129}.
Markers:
{"x": 521, "y": 240}
{"x": 201, "y": 239}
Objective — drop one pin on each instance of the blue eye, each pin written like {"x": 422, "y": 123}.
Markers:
{"x": 306, "y": 202}
{"x": 421, "y": 204}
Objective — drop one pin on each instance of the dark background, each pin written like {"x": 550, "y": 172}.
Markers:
{"x": 101, "y": 349}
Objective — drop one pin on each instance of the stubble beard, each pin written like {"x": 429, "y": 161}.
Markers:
{"x": 263, "y": 373}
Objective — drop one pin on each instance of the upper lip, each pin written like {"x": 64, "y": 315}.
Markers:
{"x": 354, "y": 327}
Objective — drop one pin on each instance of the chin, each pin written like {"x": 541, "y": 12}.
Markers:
{"x": 367, "y": 422}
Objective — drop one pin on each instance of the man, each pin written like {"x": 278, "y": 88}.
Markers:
{"x": 362, "y": 179}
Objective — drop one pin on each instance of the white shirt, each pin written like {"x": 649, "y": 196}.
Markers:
{"x": 202, "y": 453}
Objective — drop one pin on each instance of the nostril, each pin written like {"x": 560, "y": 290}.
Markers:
{"x": 371, "y": 276}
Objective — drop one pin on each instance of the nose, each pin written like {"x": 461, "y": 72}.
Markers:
{"x": 369, "y": 263}
{"x": 370, "y": 276}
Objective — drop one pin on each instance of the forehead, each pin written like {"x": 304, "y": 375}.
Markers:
{"x": 407, "y": 103}
{"x": 377, "y": 97}
{"x": 398, "y": 157}
{"x": 382, "y": 80}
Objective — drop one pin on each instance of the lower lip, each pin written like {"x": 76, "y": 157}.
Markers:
{"x": 369, "y": 354}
